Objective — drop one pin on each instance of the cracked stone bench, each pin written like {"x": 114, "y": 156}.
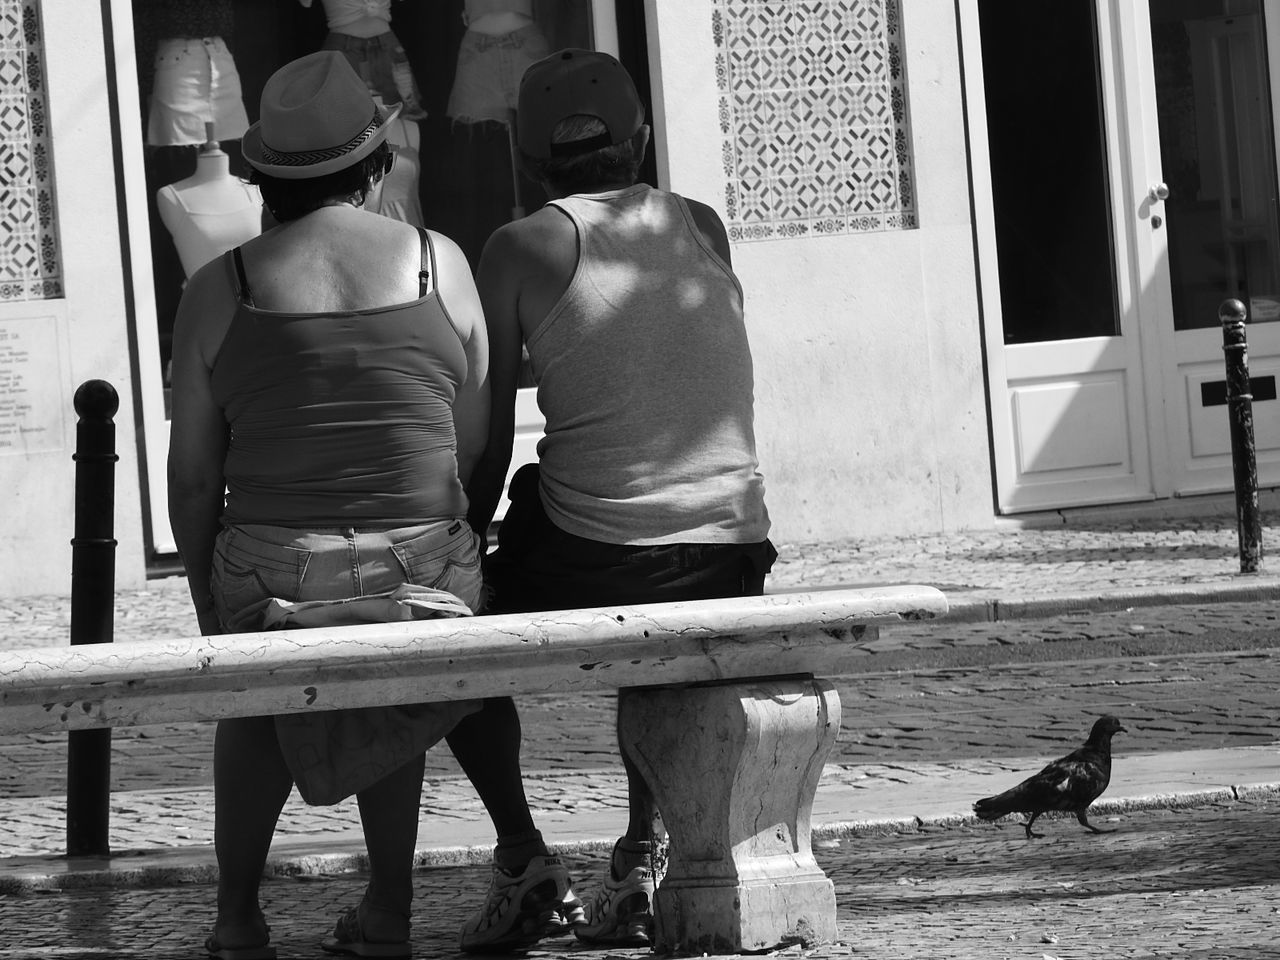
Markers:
{"x": 721, "y": 702}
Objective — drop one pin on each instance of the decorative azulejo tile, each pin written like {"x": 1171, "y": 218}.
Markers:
{"x": 813, "y": 112}
{"x": 30, "y": 258}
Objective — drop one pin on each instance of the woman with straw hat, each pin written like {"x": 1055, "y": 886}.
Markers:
{"x": 330, "y": 398}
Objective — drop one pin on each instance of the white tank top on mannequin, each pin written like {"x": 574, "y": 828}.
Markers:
{"x": 399, "y": 197}
{"x": 210, "y": 212}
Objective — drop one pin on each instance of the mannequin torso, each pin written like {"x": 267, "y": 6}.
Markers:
{"x": 356, "y": 18}
{"x": 499, "y": 24}
{"x": 502, "y": 39}
{"x": 398, "y": 195}
{"x": 497, "y": 18}
{"x": 210, "y": 211}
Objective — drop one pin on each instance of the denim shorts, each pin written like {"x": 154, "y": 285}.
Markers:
{"x": 374, "y": 59}
{"x": 489, "y": 71}
{"x": 254, "y": 562}
{"x": 196, "y": 83}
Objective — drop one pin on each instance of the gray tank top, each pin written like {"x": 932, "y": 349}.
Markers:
{"x": 644, "y": 376}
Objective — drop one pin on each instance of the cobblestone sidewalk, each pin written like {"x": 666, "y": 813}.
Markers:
{"x": 1193, "y": 884}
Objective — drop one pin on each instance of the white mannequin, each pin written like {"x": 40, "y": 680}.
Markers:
{"x": 210, "y": 211}
{"x": 397, "y": 196}
{"x": 485, "y": 85}
{"x": 497, "y": 23}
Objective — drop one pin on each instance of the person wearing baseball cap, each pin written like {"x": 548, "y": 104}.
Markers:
{"x": 330, "y": 398}
{"x": 647, "y": 487}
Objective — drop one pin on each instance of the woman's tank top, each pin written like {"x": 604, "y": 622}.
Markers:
{"x": 341, "y": 419}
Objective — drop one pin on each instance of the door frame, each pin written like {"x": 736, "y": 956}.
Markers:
{"x": 1130, "y": 102}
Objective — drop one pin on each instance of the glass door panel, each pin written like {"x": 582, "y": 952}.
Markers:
{"x": 1217, "y": 151}
{"x": 1049, "y": 176}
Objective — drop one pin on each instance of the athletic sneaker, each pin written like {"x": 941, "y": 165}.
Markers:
{"x": 518, "y": 909}
{"x": 621, "y": 914}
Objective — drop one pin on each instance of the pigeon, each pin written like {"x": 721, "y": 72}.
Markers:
{"x": 1069, "y": 784}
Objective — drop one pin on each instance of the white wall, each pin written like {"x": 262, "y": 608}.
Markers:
{"x": 88, "y": 327}
{"x": 870, "y": 405}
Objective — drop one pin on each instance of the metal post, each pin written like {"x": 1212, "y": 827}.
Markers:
{"x": 93, "y": 565}
{"x": 1240, "y": 414}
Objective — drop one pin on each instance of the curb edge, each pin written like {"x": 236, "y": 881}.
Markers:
{"x": 317, "y": 865}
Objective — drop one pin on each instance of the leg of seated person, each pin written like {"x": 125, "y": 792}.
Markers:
{"x": 529, "y": 894}
{"x": 487, "y": 747}
{"x": 251, "y": 785}
{"x": 641, "y": 811}
{"x": 389, "y": 814}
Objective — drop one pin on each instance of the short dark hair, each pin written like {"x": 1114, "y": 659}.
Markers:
{"x": 608, "y": 166}
{"x": 290, "y": 199}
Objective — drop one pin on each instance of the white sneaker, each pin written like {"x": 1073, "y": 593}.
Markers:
{"x": 621, "y": 913}
{"x": 518, "y": 909}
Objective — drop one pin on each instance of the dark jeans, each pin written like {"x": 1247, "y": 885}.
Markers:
{"x": 538, "y": 566}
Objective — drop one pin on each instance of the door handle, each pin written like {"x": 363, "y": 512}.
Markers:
{"x": 1159, "y": 192}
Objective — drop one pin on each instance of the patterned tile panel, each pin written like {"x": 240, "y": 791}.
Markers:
{"x": 30, "y": 259}
{"x": 813, "y": 113}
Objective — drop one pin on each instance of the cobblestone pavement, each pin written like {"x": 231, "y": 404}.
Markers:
{"x": 1088, "y": 558}
{"x": 1194, "y": 883}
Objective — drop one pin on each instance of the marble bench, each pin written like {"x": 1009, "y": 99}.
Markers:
{"x": 722, "y": 703}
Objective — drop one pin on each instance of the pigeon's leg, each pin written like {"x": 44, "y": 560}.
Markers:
{"x": 1027, "y": 826}
{"x": 1084, "y": 822}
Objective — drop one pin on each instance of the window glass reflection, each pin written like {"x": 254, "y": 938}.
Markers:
{"x": 455, "y": 65}
{"x": 1217, "y": 153}
{"x": 1049, "y": 177}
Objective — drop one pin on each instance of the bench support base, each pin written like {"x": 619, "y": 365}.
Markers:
{"x": 734, "y": 769}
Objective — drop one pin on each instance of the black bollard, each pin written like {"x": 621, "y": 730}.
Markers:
{"x": 1240, "y": 413}
{"x": 93, "y": 574}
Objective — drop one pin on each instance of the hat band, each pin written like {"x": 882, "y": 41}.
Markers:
{"x": 307, "y": 158}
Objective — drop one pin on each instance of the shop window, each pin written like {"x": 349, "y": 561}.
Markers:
{"x": 30, "y": 257}
{"x": 454, "y": 63}
{"x": 813, "y": 111}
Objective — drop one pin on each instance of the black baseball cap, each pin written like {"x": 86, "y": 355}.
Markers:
{"x": 569, "y": 83}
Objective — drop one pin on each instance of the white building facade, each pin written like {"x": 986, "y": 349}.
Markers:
{"x": 983, "y": 244}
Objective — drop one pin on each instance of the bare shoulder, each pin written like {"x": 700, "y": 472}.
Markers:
{"x": 545, "y": 243}
{"x": 450, "y": 260}
{"x": 710, "y": 226}
{"x": 539, "y": 234}
{"x": 205, "y": 311}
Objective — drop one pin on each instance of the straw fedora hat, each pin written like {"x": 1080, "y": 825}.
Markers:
{"x": 317, "y": 117}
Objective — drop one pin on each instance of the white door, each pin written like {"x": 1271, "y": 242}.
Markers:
{"x": 1104, "y": 363}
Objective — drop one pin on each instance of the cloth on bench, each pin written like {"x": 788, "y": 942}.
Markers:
{"x": 336, "y": 753}
{"x": 406, "y": 602}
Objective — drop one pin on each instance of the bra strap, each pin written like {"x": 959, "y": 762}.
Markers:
{"x": 427, "y": 265}
{"x": 243, "y": 292}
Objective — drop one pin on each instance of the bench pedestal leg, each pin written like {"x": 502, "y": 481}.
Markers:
{"x": 734, "y": 768}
